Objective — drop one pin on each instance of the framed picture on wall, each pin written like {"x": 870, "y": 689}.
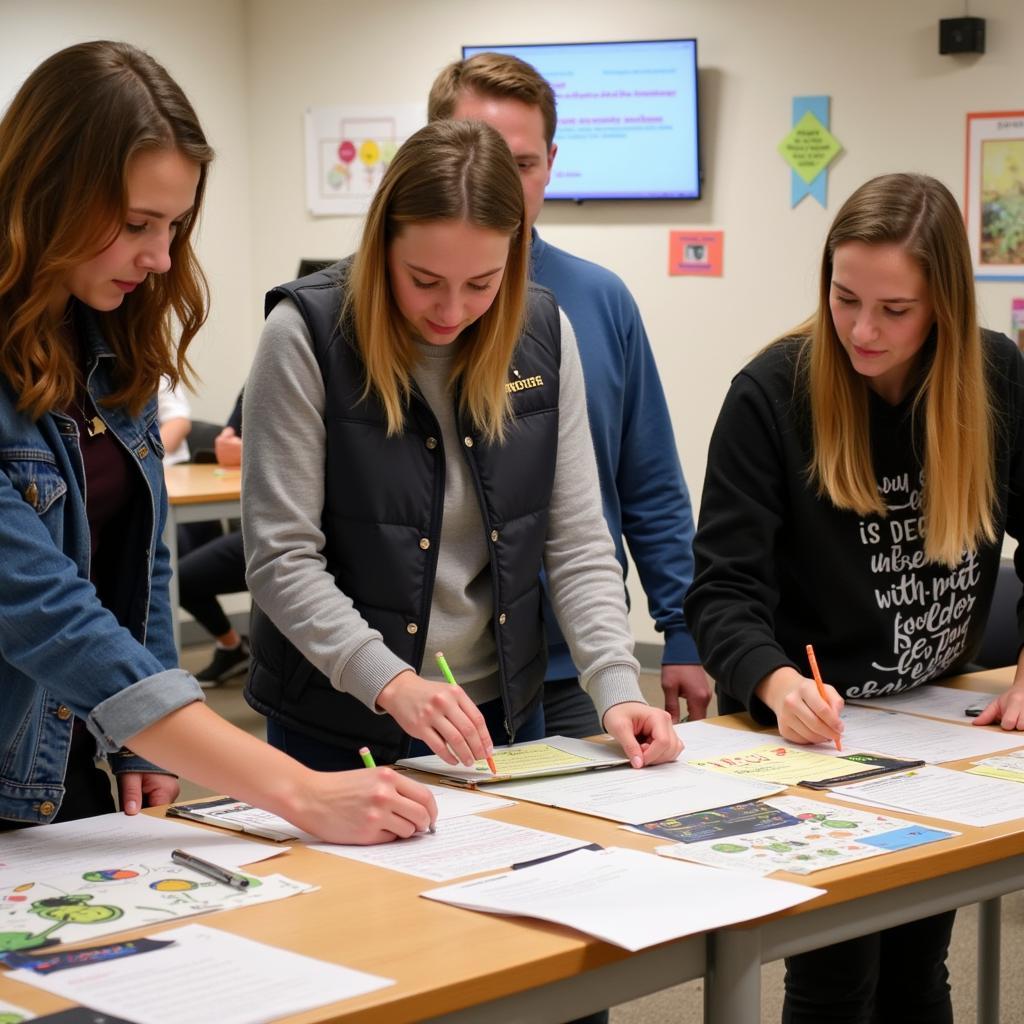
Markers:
{"x": 994, "y": 199}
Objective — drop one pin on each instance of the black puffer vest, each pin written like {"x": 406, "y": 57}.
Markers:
{"x": 382, "y": 514}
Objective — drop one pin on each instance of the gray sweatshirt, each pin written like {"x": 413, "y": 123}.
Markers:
{"x": 282, "y": 500}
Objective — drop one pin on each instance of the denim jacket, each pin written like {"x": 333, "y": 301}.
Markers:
{"x": 62, "y": 653}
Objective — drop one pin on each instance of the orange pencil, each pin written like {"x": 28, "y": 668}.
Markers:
{"x": 815, "y": 671}
{"x": 442, "y": 664}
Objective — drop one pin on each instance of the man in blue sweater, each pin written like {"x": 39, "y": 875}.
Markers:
{"x": 646, "y": 502}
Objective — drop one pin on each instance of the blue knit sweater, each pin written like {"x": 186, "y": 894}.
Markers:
{"x": 646, "y": 502}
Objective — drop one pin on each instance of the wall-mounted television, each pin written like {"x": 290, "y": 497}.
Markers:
{"x": 627, "y": 117}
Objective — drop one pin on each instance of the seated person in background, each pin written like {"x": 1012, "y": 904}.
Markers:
{"x": 218, "y": 567}
{"x": 174, "y": 417}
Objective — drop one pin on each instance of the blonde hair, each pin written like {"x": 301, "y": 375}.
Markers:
{"x": 951, "y": 406}
{"x": 65, "y": 144}
{"x": 448, "y": 171}
{"x": 498, "y": 75}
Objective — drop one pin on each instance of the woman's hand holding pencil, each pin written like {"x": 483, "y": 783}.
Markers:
{"x": 442, "y": 716}
{"x": 807, "y": 711}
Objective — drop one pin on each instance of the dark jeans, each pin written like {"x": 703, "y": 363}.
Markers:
{"x": 327, "y": 757}
{"x": 216, "y": 567}
{"x": 568, "y": 710}
{"x": 897, "y": 976}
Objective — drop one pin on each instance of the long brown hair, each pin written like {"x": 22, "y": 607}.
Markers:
{"x": 457, "y": 171}
{"x": 65, "y": 144}
{"x": 919, "y": 214}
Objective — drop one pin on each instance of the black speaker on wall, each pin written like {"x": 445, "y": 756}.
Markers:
{"x": 962, "y": 35}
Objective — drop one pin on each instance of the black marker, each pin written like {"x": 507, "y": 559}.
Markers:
{"x": 214, "y": 871}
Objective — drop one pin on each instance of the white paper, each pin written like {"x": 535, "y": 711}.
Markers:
{"x": 705, "y": 740}
{"x": 942, "y": 793}
{"x": 913, "y": 738}
{"x": 639, "y": 794}
{"x": 206, "y": 975}
{"x": 108, "y": 840}
{"x": 461, "y": 846}
{"x": 935, "y": 701}
{"x": 626, "y": 897}
{"x": 456, "y": 803}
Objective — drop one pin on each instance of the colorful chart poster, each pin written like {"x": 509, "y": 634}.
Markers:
{"x": 701, "y": 826}
{"x": 348, "y": 149}
{"x": 823, "y": 836}
{"x": 695, "y": 253}
{"x": 38, "y": 914}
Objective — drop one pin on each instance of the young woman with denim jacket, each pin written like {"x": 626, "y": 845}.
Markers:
{"x": 102, "y": 171}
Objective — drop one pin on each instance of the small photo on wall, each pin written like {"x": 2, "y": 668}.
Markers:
{"x": 695, "y": 253}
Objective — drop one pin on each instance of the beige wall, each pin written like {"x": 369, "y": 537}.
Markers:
{"x": 253, "y": 66}
{"x": 202, "y": 44}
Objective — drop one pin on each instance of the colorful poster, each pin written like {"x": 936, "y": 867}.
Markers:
{"x": 695, "y": 253}
{"x": 822, "y": 836}
{"x": 88, "y": 905}
{"x": 809, "y": 148}
{"x": 348, "y": 149}
{"x": 1017, "y": 322}
{"x": 699, "y": 827}
{"x": 995, "y": 194}
{"x": 787, "y": 766}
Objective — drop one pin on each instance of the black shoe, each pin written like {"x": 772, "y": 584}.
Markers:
{"x": 227, "y": 662}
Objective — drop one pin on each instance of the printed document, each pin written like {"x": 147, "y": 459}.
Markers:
{"x": 206, "y": 975}
{"x": 626, "y": 897}
{"x": 931, "y": 700}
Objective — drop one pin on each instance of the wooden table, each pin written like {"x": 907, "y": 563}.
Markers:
{"x": 196, "y": 493}
{"x": 461, "y": 967}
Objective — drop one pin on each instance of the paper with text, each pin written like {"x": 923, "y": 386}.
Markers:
{"x": 626, "y": 897}
{"x": 463, "y": 846}
{"x": 931, "y": 700}
{"x": 1009, "y": 767}
{"x": 784, "y": 764}
{"x": 638, "y": 794}
{"x": 945, "y": 794}
{"x": 207, "y": 975}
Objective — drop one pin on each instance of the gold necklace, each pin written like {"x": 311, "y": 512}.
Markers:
{"x": 94, "y": 426}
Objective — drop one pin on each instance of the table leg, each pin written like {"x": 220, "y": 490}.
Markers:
{"x": 732, "y": 986}
{"x": 989, "y": 921}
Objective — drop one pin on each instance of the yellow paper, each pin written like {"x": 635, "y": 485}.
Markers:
{"x": 532, "y": 758}
{"x": 782, "y": 765}
{"x": 809, "y": 147}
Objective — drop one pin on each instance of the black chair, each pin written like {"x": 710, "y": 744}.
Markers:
{"x": 201, "y": 440}
{"x": 1000, "y": 643}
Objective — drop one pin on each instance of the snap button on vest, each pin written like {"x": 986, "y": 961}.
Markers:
{"x": 424, "y": 543}
{"x": 412, "y": 628}
{"x": 501, "y": 619}
{"x": 431, "y": 443}
{"x": 494, "y": 535}
{"x": 47, "y": 807}
{"x": 63, "y": 712}
{"x": 468, "y": 442}
{"x": 32, "y": 494}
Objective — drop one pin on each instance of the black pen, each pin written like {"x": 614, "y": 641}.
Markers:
{"x": 214, "y": 871}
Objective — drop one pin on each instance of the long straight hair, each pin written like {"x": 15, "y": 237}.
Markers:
{"x": 951, "y": 405}
{"x": 448, "y": 171}
{"x": 66, "y": 142}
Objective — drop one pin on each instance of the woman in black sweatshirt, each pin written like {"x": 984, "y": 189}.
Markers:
{"x": 861, "y": 477}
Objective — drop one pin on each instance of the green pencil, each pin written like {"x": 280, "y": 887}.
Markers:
{"x": 442, "y": 664}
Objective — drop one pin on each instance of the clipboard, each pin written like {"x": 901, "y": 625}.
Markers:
{"x": 874, "y": 764}
{"x": 534, "y": 759}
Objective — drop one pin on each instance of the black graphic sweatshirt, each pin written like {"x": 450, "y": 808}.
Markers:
{"x": 778, "y": 567}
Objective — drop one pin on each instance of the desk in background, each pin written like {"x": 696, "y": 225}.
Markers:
{"x": 462, "y": 967}
{"x": 196, "y": 493}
